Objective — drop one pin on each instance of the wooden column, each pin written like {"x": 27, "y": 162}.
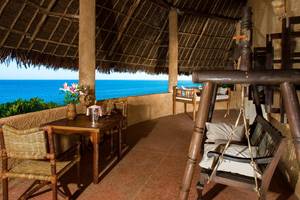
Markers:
{"x": 246, "y": 30}
{"x": 197, "y": 139}
{"x": 173, "y": 49}
{"x": 87, "y": 58}
{"x": 292, "y": 107}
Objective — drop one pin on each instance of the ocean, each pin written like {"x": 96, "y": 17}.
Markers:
{"x": 48, "y": 90}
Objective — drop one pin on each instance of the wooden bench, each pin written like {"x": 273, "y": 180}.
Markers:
{"x": 191, "y": 95}
{"x": 270, "y": 144}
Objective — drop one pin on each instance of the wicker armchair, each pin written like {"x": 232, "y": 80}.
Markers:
{"x": 35, "y": 147}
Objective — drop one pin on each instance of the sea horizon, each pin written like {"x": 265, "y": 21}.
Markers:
{"x": 48, "y": 89}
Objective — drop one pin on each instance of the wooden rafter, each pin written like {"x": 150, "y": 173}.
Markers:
{"x": 13, "y": 24}
{"x": 3, "y": 6}
{"x": 72, "y": 41}
{"x": 53, "y": 14}
{"x": 124, "y": 24}
{"x": 198, "y": 40}
{"x": 27, "y": 35}
{"x": 41, "y": 22}
{"x": 56, "y": 26}
{"x": 184, "y": 11}
{"x": 29, "y": 25}
{"x": 158, "y": 37}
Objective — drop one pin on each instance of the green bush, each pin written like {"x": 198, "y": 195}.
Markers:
{"x": 22, "y": 106}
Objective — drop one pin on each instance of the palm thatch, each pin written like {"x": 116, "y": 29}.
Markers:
{"x": 131, "y": 35}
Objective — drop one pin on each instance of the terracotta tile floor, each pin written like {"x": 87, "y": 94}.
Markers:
{"x": 153, "y": 168}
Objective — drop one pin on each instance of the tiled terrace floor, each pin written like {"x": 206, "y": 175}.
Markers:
{"x": 154, "y": 166}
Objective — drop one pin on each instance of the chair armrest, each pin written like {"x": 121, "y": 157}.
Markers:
{"x": 258, "y": 160}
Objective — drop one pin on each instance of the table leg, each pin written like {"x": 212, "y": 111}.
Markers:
{"x": 95, "y": 141}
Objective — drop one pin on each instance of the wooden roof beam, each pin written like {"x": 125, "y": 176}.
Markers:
{"x": 29, "y": 25}
{"x": 41, "y": 22}
{"x": 124, "y": 24}
{"x": 56, "y": 26}
{"x": 54, "y": 14}
{"x": 3, "y": 6}
{"x": 182, "y": 11}
{"x": 13, "y": 24}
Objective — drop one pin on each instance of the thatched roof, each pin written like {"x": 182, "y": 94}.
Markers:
{"x": 131, "y": 35}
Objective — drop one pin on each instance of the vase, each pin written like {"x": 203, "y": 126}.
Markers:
{"x": 71, "y": 111}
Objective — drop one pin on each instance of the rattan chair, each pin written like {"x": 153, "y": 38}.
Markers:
{"x": 35, "y": 148}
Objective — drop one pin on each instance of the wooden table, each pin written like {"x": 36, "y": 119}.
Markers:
{"x": 83, "y": 126}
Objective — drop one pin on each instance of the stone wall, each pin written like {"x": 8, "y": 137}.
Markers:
{"x": 142, "y": 108}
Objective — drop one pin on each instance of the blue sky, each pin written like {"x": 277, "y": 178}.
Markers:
{"x": 12, "y": 72}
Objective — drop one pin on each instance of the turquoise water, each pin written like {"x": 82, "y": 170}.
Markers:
{"x": 48, "y": 90}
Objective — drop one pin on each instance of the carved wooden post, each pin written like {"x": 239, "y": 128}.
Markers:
{"x": 246, "y": 30}
{"x": 173, "y": 49}
{"x": 87, "y": 53}
{"x": 291, "y": 105}
{"x": 197, "y": 138}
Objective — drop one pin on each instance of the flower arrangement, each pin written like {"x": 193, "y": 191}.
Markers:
{"x": 72, "y": 93}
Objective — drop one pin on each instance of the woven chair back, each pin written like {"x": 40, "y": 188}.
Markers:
{"x": 25, "y": 144}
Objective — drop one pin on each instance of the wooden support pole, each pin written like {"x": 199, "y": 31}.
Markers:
{"x": 87, "y": 57}
{"x": 173, "y": 49}
{"x": 291, "y": 105}
{"x": 197, "y": 139}
{"x": 285, "y": 45}
{"x": 267, "y": 77}
{"x": 246, "y": 30}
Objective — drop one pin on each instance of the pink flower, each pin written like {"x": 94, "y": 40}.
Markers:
{"x": 74, "y": 85}
{"x": 65, "y": 86}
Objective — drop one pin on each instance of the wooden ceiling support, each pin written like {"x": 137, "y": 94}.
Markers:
{"x": 87, "y": 47}
{"x": 124, "y": 26}
{"x": 197, "y": 139}
{"x": 291, "y": 105}
{"x": 3, "y": 6}
{"x": 262, "y": 77}
{"x": 41, "y": 22}
{"x": 54, "y": 14}
{"x": 12, "y": 24}
{"x": 56, "y": 26}
{"x": 29, "y": 25}
{"x": 168, "y": 5}
{"x": 173, "y": 49}
{"x": 198, "y": 40}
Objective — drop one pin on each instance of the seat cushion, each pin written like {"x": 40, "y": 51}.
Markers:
{"x": 184, "y": 98}
{"x": 218, "y": 98}
{"x": 222, "y": 91}
{"x": 228, "y": 165}
{"x": 222, "y": 131}
{"x": 222, "y": 97}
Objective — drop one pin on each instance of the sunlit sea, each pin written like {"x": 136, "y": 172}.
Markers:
{"x": 48, "y": 90}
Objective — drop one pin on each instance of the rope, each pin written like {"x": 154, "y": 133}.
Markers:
{"x": 247, "y": 133}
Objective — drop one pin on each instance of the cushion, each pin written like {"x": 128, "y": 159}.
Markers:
{"x": 228, "y": 165}
{"x": 184, "y": 98}
{"x": 222, "y": 131}
{"x": 222, "y": 91}
{"x": 222, "y": 97}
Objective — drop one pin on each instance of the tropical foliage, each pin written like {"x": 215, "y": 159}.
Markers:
{"x": 22, "y": 106}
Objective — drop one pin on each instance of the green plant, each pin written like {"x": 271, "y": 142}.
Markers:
{"x": 22, "y": 106}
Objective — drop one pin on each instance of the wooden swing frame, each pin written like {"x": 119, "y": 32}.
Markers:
{"x": 285, "y": 78}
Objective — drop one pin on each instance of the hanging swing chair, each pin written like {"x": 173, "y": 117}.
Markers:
{"x": 248, "y": 165}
